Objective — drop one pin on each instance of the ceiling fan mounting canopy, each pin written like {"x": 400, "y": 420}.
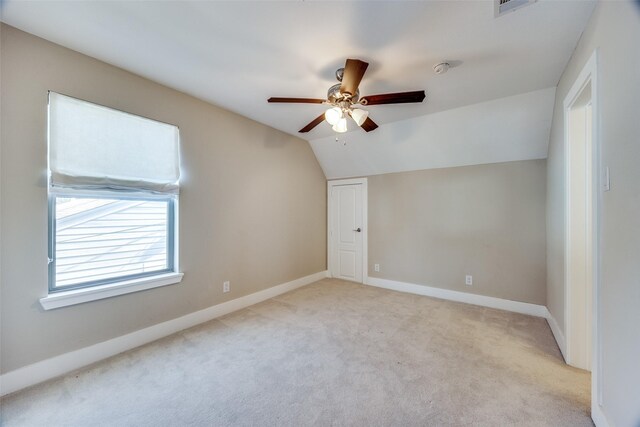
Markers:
{"x": 343, "y": 96}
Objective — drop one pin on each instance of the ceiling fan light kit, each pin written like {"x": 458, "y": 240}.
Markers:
{"x": 359, "y": 116}
{"x": 341, "y": 125}
{"x": 344, "y": 96}
{"x": 332, "y": 115}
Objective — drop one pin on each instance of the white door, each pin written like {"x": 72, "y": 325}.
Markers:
{"x": 346, "y": 232}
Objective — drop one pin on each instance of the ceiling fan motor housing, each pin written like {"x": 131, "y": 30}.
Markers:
{"x": 334, "y": 95}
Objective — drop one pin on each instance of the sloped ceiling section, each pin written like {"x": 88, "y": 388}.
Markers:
{"x": 236, "y": 54}
{"x": 506, "y": 129}
{"x": 492, "y": 106}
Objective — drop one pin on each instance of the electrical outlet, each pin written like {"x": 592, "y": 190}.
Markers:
{"x": 226, "y": 286}
{"x": 376, "y": 267}
{"x": 468, "y": 280}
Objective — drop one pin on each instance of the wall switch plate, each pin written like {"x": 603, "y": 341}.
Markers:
{"x": 376, "y": 267}
{"x": 226, "y": 286}
{"x": 468, "y": 280}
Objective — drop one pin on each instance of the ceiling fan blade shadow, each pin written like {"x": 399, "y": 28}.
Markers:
{"x": 354, "y": 70}
{"x": 393, "y": 98}
{"x": 315, "y": 122}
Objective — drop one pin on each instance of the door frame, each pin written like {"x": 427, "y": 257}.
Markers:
{"x": 365, "y": 228}
{"x": 588, "y": 75}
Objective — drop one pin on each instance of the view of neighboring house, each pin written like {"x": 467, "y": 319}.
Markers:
{"x": 99, "y": 239}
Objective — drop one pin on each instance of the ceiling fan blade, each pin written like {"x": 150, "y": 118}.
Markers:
{"x": 353, "y": 72}
{"x": 393, "y": 98}
{"x": 297, "y": 100}
{"x": 313, "y": 124}
{"x": 369, "y": 125}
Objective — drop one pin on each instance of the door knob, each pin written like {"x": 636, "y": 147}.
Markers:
{"x": 357, "y": 229}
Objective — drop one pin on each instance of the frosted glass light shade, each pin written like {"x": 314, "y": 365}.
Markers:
{"x": 359, "y": 116}
{"x": 340, "y": 126}
{"x": 332, "y": 115}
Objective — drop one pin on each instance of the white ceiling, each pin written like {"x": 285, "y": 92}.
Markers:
{"x": 501, "y": 130}
{"x": 238, "y": 54}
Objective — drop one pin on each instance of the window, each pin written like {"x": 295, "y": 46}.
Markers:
{"x": 101, "y": 240}
{"x": 113, "y": 195}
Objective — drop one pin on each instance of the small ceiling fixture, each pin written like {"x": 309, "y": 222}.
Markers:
{"x": 441, "y": 68}
{"x": 345, "y": 96}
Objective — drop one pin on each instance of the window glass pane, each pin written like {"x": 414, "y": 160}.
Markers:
{"x": 102, "y": 239}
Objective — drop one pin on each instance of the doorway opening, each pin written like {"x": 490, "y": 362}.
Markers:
{"x": 579, "y": 274}
{"x": 582, "y": 225}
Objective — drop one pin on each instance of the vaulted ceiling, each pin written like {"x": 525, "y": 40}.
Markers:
{"x": 237, "y": 54}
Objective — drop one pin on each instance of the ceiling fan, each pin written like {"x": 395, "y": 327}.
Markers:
{"x": 345, "y": 96}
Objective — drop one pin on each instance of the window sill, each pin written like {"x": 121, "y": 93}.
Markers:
{"x": 79, "y": 296}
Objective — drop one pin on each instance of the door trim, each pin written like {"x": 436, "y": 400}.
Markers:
{"x": 589, "y": 74}
{"x": 365, "y": 226}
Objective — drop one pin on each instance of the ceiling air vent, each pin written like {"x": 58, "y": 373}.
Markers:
{"x": 502, "y": 7}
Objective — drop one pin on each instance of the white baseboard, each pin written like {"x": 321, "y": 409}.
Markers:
{"x": 64, "y": 363}
{"x": 499, "y": 303}
{"x": 598, "y": 416}
{"x": 557, "y": 334}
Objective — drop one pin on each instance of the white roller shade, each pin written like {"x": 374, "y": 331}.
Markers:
{"x": 91, "y": 146}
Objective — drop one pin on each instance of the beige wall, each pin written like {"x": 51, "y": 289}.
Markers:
{"x": 614, "y": 29}
{"x": 433, "y": 227}
{"x": 252, "y": 204}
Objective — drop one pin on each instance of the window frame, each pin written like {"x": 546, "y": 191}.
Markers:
{"x": 106, "y": 288}
{"x": 172, "y": 260}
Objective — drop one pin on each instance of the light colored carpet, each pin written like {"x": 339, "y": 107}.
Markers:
{"x": 331, "y": 353}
